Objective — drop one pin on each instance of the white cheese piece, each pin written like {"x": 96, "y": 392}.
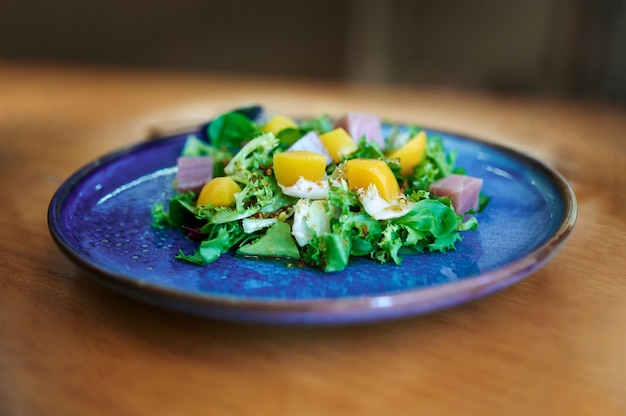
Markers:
{"x": 309, "y": 219}
{"x": 380, "y": 209}
{"x": 251, "y": 225}
{"x": 307, "y": 189}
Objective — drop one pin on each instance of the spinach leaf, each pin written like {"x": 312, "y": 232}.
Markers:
{"x": 289, "y": 136}
{"x": 181, "y": 212}
{"x": 230, "y": 129}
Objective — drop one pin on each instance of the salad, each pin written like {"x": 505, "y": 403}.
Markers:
{"x": 318, "y": 191}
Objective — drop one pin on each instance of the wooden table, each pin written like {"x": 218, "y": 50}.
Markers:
{"x": 553, "y": 344}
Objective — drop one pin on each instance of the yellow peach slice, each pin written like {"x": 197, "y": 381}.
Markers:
{"x": 411, "y": 153}
{"x": 218, "y": 192}
{"x": 360, "y": 173}
{"x": 338, "y": 143}
{"x": 278, "y": 123}
{"x": 290, "y": 166}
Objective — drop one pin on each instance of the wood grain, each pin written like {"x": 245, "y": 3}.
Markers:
{"x": 553, "y": 344}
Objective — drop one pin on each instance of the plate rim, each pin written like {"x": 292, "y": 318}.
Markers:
{"x": 347, "y": 309}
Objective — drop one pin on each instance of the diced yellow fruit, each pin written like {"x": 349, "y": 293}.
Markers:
{"x": 338, "y": 143}
{"x": 411, "y": 153}
{"x": 278, "y": 123}
{"x": 289, "y": 166}
{"x": 218, "y": 192}
{"x": 363, "y": 172}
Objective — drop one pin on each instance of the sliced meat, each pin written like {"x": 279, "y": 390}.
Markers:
{"x": 463, "y": 190}
{"x": 362, "y": 124}
{"x": 193, "y": 173}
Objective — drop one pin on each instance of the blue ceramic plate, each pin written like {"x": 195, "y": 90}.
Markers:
{"x": 100, "y": 218}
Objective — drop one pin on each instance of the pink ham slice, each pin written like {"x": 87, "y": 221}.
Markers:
{"x": 193, "y": 173}
{"x": 362, "y": 124}
{"x": 311, "y": 142}
{"x": 463, "y": 190}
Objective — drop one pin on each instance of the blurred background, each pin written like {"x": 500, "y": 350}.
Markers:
{"x": 570, "y": 48}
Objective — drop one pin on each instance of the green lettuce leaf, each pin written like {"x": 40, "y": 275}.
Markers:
{"x": 160, "y": 217}
{"x": 289, "y": 136}
{"x": 320, "y": 125}
{"x": 222, "y": 237}
{"x": 276, "y": 242}
{"x": 253, "y": 158}
{"x": 367, "y": 150}
{"x": 230, "y": 130}
{"x": 182, "y": 209}
{"x": 181, "y": 212}
{"x": 431, "y": 224}
{"x": 389, "y": 245}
